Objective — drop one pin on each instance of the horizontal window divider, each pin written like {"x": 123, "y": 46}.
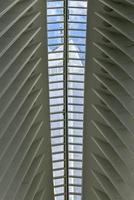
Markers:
{"x": 55, "y": 82}
{"x": 77, "y": 6}
{"x": 75, "y": 112}
{"x": 75, "y": 168}
{"x": 55, "y": 15}
{"x": 52, "y": 7}
{"x": 80, "y": 136}
{"x": 59, "y": 152}
{"x": 57, "y": 120}
{"x": 75, "y": 160}
{"x": 77, "y": 22}
{"x": 51, "y": 113}
{"x": 73, "y": 36}
{"x": 55, "y": 89}
{"x": 59, "y": 160}
{"x": 79, "y": 97}
{"x": 78, "y": 144}
{"x": 75, "y": 185}
{"x": 55, "y": 44}
{"x": 79, "y": 74}
{"x": 56, "y": 128}
{"x": 76, "y": 104}
{"x": 53, "y": 67}
{"x": 75, "y": 128}
{"x": 56, "y": 74}
{"x": 57, "y": 105}
{"x": 56, "y": 22}
{"x": 75, "y": 120}
{"x": 76, "y": 29}
{"x": 70, "y": 176}
{"x": 80, "y": 152}
{"x": 56, "y": 97}
{"x": 75, "y": 193}
{"x": 59, "y": 194}
{"x": 77, "y": 14}
{"x": 60, "y": 185}
{"x": 75, "y": 81}
{"x": 52, "y": 52}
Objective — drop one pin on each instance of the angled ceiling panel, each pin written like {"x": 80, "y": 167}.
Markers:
{"x": 109, "y": 103}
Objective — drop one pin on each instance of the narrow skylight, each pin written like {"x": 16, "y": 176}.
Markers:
{"x": 66, "y": 54}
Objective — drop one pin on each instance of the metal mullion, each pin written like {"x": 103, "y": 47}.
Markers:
{"x": 56, "y": 113}
{"x": 50, "y": 8}
{"x": 75, "y": 112}
{"x": 58, "y": 74}
{"x": 69, "y": 88}
{"x": 77, "y": 22}
{"x": 74, "y": 168}
{"x": 60, "y": 160}
{"x": 79, "y": 74}
{"x": 56, "y": 186}
{"x": 79, "y": 97}
{"x": 56, "y": 129}
{"x": 58, "y": 144}
{"x": 75, "y": 81}
{"x": 59, "y": 177}
{"x": 56, "y": 82}
{"x": 57, "y": 120}
{"x": 56, "y": 97}
{"x": 56, "y": 22}
{"x": 59, "y": 152}
{"x": 77, "y": 185}
{"x": 55, "y": 15}
{"x": 80, "y": 136}
{"x": 56, "y": 44}
{"x": 82, "y": 15}
{"x": 75, "y": 120}
{"x": 76, "y": 52}
{"x": 80, "y": 37}
{"x": 52, "y": 67}
{"x": 71, "y": 176}
{"x": 75, "y": 104}
{"x": 66, "y": 164}
{"x": 82, "y": 8}
{"x": 75, "y": 143}
{"x": 59, "y": 194}
{"x": 75, "y": 193}
{"x": 56, "y": 51}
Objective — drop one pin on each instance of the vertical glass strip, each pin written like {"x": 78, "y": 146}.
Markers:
{"x": 77, "y": 22}
{"x": 66, "y": 50}
{"x": 55, "y": 26}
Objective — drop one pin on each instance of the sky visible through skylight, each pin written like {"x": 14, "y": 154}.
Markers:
{"x": 77, "y": 16}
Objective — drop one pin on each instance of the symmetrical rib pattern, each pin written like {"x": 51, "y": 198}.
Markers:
{"x": 25, "y": 159}
{"x": 109, "y": 125}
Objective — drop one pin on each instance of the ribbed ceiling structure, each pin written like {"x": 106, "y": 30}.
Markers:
{"x": 109, "y": 102}
{"x": 66, "y": 100}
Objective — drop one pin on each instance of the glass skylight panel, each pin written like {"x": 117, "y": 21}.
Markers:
{"x": 66, "y": 54}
